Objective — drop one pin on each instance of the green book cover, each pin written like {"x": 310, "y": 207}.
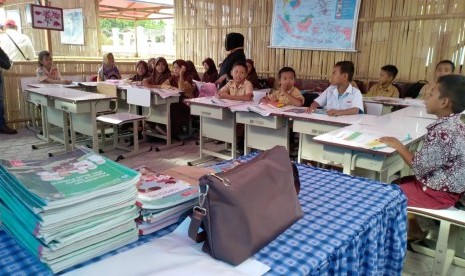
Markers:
{"x": 67, "y": 175}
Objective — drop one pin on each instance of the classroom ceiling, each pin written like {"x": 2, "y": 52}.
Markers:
{"x": 136, "y": 9}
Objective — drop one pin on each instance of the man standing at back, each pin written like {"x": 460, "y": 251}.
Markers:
{"x": 16, "y": 45}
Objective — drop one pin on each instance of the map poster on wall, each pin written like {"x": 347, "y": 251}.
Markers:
{"x": 329, "y": 25}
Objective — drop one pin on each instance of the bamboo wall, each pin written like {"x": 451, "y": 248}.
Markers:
{"x": 38, "y": 36}
{"x": 17, "y": 110}
{"x": 399, "y": 32}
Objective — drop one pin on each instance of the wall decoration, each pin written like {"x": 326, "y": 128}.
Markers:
{"x": 73, "y": 32}
{"x": 44, "y": 17}
{"x": 328, "y": 25}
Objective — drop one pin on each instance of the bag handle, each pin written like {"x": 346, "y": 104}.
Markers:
{"x": 19, "y": 49}
{"x": 198, "y": 213}
{"x": 196, "y": 223}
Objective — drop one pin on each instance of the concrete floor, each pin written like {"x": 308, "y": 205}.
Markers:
{"x": 20, "y": 147}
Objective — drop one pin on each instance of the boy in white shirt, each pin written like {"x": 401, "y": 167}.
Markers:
{"x": 341, "y": 98}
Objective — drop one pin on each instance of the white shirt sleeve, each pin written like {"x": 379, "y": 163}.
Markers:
{"x": 322, "y": 100}
{"x": 358, "y": 99}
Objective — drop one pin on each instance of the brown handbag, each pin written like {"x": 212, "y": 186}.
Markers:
{"x": 244, "y": 209}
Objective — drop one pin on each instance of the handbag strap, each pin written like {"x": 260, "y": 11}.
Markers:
{"x": 195, "y": 225}
{"x": 19, "y": 49}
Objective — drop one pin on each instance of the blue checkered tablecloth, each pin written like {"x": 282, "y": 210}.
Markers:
{"x": 351, "y": 225}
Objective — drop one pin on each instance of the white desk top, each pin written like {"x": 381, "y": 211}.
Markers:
{"x": 88, "y": 83}
{"x": 414, "y": 111}
{"x": 42, "y": 85}
{"x": 394, "y": 101}
{"x": 400, "y": 130}
{"x": 398, "y": 123}
{"x": 69, "y": 95}
{"x": 336, "y": 120}
{"x": 213, "y": 101}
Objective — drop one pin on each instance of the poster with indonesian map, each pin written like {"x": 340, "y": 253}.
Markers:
{"x": 315, "y": 24}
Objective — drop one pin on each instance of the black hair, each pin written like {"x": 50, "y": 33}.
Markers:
{"x": 43, "y": 55}
{"x": 453, "y": 87}
{"x": 346, "y": 67}
{"x": 239, "y": 63}
{"x": 446, "y": 61}
{"x": 284, "y": 70}
{"x": 391, "y": 70}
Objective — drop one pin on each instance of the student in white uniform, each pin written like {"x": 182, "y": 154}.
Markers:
{"x": 341, "y": 98}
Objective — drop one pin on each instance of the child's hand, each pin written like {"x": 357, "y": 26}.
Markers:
{"x": 333, "y": 112}
{"x": 67, "y": 81}
{"x": 391, "y": 142}
{"x": 264, "y": 100}
{"x": 222, "y": 95}
{"x": 312, "y": 107}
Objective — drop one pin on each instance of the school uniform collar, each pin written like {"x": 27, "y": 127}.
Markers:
{"x": 443, "y": 120}
{"x": 238, "y": 86}
{"x": 349, "y": 90}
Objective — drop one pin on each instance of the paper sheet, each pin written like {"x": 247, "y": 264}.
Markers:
{"x": 173, "y": 254}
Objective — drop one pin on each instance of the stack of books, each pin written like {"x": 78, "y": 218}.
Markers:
{"x": 69, "y": 208}
{"x": 163, "y": 200}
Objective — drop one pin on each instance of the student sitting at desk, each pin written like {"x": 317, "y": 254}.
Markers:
{"x": 385, "y": 88}
{"x": 151, "y": 62}
{"x": 252, "y": 74}
{"x": 439, "y": 166}
{"x": 108, "y": 70}
{"x": 340, "y": 98}
{"x": 160, "y": 74}
{"x": 444, "y": 67}
{"x": 287, "y": 94}
{"x": 192, "y": 71}
{"x": 239, "y": 88}
{"x": 142, "y": 71}
{"x": 211, "y": 73}
{"x": 180, "y": 79}
{"x": 46, "y": 72}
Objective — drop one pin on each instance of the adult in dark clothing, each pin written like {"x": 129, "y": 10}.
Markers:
{"x": 234, "y": 43}
{"x": 4, "y": 129}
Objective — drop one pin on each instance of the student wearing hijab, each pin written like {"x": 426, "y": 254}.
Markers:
{"x": 211, "y": 73}
{"x": 160, "y": 74}
{"x": 142, "y": 71}
{"x": 180, "y": 79}
{"x": 252, "y": 74}
{"x": 191, "y": 71}
{"x": 108, "y": 70}
{"x": 151, "y": 62}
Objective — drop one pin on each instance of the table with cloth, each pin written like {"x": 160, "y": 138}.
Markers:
{"x": 351, "y": 225}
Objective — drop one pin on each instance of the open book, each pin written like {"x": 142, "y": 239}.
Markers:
{"x": 367, "y": 140}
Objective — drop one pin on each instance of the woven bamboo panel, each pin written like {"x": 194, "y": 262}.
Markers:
{"x": 17, "y": 110}
{"x": 399, "y": 32}
{"x": 39, "y": 38}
